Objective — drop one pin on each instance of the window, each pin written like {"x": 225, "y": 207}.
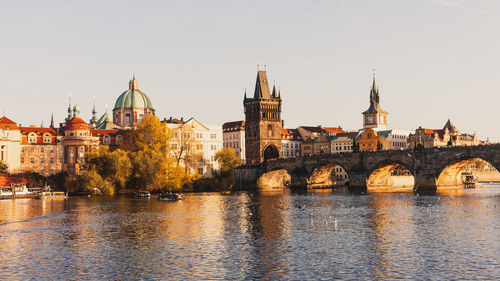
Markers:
{"x": 42, "y": 160}
{"x": 32, "y": 138}
{"x": 42, "y": 172}
{"x": 127, "y": 119}
{"x": 200, "y": 171}
{"x": 32, "y": 160}
{"x": 199, "y": 146}
{"x": 22, "y": 149}
{"x": 213, "y": 147}
{"x": 119, "y": 139}
{"x": 22, "y": 160}
{"x": 269, "y": 130}
{"x": 46, "y": 138}
{"x": 106, "y": 139}
{"x": 51, "y": 149}
{"x": 199, "y": 135}
{"x": 51, "y": 160}
{"x": 42, "y": 149}
{"x": 213, "y": 136}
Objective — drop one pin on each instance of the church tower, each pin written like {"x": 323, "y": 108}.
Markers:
{"x": 375, "y": 118}
{"x": 262, "y": 122}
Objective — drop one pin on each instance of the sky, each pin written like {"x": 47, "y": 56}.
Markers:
{"x": 433, "y": 59}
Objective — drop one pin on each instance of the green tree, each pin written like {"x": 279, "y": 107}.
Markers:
{"x": 114, "y": 167}
{"x": 90, "y": 181}
{"x": 226, "y": 157}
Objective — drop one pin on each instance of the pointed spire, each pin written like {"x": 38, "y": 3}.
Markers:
{"x": 52, "y": 120}
{"x": 275, "y": 93}
{"x": 93, "y": 120}
{"x": 245, "y": 93}
{"x": 262, "y": 86}
{"x": 70, "y": 111}
{"x": 42, "y": 125}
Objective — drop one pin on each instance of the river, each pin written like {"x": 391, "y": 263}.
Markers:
{"x": 268, "y": 235}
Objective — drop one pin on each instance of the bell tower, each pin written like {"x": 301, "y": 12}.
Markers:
{"x": 375, "y": 118}
{"x": 262, "y": 122}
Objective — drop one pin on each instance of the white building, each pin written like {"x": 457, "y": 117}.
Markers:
{"x": 398, "y": 139}
{"x": 291, "y": 143}
{"x": 234, "y": 137}
{"x": 192, "y": 139}
{"x": 10, "y": 144}
{"x": 343, "y": 142}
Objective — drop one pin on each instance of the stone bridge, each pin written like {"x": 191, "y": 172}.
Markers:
{"x": 430, "y": 167}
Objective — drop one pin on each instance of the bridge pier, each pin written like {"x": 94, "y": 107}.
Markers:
{"x": 357, "y": 179}
{"x": 425, "y": 179}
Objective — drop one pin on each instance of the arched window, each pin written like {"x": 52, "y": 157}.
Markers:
{"x": 32, "y": 138}
{"x": 3, "y": 152}
{"x": 269, "y": 130}
{"x": 106, "y": 139}
{"x": 119, "y": 139}
{"x": 46, "y": 138}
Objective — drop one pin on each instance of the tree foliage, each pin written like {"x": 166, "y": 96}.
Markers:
{"x": 113, "y": 167}
{"x": 226, "y": 157}
{"x": 3, "y": 167}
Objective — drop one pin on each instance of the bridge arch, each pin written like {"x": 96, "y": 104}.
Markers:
{"x": 327, "y": 174}
{"x": 271, "y": 152}
{"x": 460, "y": 169}
{"x": 391, "y": 176}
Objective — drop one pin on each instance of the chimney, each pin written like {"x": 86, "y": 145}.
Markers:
{"x": 283, "y": 124}
{"x": 182, "y": 119}
{"x": 165, "y": 119}
{"x": 171, "y": 118}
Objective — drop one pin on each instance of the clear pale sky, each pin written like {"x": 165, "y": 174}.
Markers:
{"x": 434, "y": 59}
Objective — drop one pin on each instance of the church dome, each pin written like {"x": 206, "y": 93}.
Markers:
{"x": 133, "y": 98}
{"x": 77, "y": 123}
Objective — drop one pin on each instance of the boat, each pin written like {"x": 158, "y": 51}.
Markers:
{"x": 142, "y": 194}
{"x": 169, "y": 196}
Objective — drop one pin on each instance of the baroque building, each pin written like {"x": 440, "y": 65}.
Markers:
{"x": 262, "y": 122}
{"x": 449, "y": 135}
{"x": 131, "y": 106}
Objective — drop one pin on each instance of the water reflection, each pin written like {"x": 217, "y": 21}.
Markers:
{"x": 323, "y": 234}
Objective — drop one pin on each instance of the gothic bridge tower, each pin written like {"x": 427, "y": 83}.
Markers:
{"x": 262, "y": 122}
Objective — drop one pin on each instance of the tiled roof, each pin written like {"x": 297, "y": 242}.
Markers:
{"x": 234, "y": 125}
{"x": 6, "y": 123}
{"x": 333, "y": 130}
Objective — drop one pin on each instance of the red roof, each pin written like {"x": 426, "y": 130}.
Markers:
{"x": 77, "y": 123}
{"x": 6, "y": 123}
{"x": 102, "y": 132}
{"x": 333, "y": 130}
{"x": 38, "y": 130}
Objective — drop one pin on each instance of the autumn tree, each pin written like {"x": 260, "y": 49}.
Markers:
{"x": 114, "y": 167}
{"x": 226, "y": 157}
{"x": 149, "y": 154}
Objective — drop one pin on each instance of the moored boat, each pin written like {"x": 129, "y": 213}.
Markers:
{"x": 169, "y": 196}
{"x": 142, "y": 194}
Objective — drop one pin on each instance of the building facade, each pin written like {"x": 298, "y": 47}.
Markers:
{"x": 194, "y": 145}
{"x": 10, "y": 144}
{"x": 262, "y": 122}
{"x": 291, "y": 143}
{"x": 449, "y": 135}
{"x": 42, "y": 150}
{"x": 234, "y": 137}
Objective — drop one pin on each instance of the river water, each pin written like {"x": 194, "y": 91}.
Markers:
{"x": 268, "y": 235}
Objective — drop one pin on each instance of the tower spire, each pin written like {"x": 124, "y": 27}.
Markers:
{"x": 70, "y": 111}
{"x": 52, "y": 120}
{"x": 93, "y": 120}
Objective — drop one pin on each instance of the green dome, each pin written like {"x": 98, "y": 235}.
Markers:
{"x": 133, "y": 98}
